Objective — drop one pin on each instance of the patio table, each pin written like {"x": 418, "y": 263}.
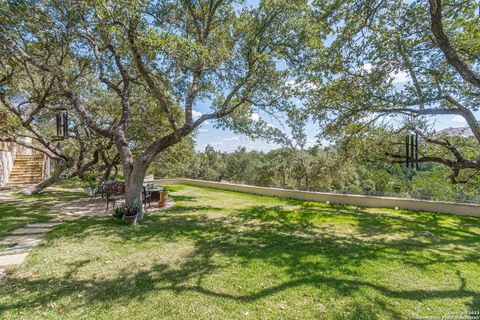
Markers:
{"x": 154, "y": 193}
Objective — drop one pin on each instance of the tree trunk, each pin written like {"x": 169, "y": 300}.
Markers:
{"x": 107, "y": 172}
{"x": 134, "y": 177}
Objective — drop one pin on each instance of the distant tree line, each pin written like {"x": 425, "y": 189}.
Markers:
{"x": 317, "y": 169}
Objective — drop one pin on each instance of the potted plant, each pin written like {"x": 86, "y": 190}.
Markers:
{"x": 131, "y": 214}
{"x": 163, "y": 198}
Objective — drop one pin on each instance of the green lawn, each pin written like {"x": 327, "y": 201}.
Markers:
{"x": 31, "y": 209}
{"x": 225, "y": 255}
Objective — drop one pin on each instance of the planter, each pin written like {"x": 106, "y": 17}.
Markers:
{"x": 130, "y": 220}
{"x": 163, "y": 199}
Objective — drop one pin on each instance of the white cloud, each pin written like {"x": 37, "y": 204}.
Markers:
{"x": 458, "y": 119}
{"x": 291, "y": 83}
{"x": 311, "y": 142}
{"x": 401, "y": 77}
{"x": 255, "y": 117}
{"x": 196, "y": 114}
{"x": 202, "y": 130}
{"x": 367, "y": 67}
{"x": 301, "y": 85}
{"x": 370, "y": 117}
{"x": 231, "y": 139}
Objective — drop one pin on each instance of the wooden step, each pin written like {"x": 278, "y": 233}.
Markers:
{"x": 25, "y": 178}
{"x": 22, "y": 176}
{"x": 25, "y": 174}
{"x": 33, "y": 180}
{"x": 25, "y": 183}
{"x": 18, "y": 169}
{"x": 27, "y": 170}
{"x": 28, "y": 165}
{"x": 28, "y": 161}
{"x": 33, "y": 155}
{"x": 13, "y": 183}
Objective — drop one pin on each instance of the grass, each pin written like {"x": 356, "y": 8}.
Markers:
{"x": 226, "y": 255}
{"x": 25, "y": 209}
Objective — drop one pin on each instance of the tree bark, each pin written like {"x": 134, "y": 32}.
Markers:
{"x": 446, "y": 46}
{"x": 134, "y": 177}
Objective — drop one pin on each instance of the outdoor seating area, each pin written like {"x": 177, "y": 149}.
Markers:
{"x": 113, "y": 192}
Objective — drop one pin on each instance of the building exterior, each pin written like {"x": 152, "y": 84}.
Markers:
{"x": 21, "y": 166}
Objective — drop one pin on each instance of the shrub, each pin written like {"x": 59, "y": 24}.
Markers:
{"x": 119, "y": 212}
{"x": 132, "y": 210}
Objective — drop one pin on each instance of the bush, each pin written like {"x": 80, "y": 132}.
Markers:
{"x": 119, "y": 212}
{"x": 132, "y": 210}
{"x": 124, "y": 210}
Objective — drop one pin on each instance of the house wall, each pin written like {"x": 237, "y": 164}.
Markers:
{"x": 460, "y": 209}
{"x": 7, "y": 157}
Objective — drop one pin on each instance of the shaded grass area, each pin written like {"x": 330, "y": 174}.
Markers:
{"x": 13, "y": 216}
{"x": 226, "y": 255}
{"x": 57, "y": 194}
{"x": 25, "y": 209}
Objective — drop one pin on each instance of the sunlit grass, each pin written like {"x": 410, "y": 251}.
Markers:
{"x": 226, "y": 255}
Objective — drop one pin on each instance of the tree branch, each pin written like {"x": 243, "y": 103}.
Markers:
{"x": 447, "y": 48}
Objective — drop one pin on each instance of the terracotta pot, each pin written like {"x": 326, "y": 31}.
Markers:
{"x": 130, "y": 220}
{"x": 163, "y": 199}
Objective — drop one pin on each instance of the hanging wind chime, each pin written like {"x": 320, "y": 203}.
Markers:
{"x": 411, "y": 151}
{"x": 62, "y": 123}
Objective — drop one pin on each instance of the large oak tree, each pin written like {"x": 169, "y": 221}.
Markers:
{"x": 160, "y": 58}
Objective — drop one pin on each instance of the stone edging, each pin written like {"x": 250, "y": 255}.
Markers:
{"x": 461, "y": 209}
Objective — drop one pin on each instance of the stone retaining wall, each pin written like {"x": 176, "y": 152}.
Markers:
{"x": 460, "y": 209}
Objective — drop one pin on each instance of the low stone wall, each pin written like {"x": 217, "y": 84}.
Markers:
{"x": 460, "y": 209}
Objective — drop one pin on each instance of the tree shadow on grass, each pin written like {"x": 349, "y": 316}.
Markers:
{"x": 189, "y": 209}
{"x": 53, "y": 195}
{"x": 14, "y": 216}
{"x": 179, "y": 198}
{"x": 161, "y": 277}
{"x": 284, "y": 239}
{"x": 440, "y": 228}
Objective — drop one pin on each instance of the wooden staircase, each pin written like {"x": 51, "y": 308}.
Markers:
{"x": 27, "y": 169}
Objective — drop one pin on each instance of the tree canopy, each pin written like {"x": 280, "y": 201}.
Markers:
{"x": 402, "y": 63}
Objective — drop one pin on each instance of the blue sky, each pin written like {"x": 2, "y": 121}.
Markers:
{"x": 226, "y": 140}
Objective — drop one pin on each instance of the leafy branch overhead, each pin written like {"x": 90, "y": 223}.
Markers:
{"x": 400, "y": 65}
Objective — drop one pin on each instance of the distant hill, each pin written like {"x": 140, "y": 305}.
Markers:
{"x": 456, "y": 132}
